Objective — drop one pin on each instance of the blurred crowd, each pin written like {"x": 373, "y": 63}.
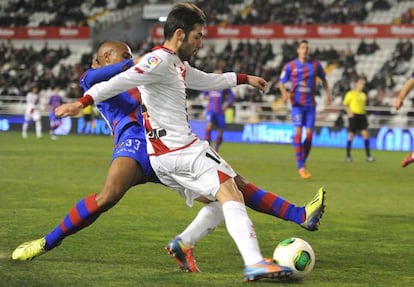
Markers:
{"x": 17, "y": 13}
{"x": 22, "y": 67}
{"x": 289, "y": 12}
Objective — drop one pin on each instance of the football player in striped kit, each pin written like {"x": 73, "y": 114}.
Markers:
{"x": 89, "y": 208}
{"x": 302, "y": 74}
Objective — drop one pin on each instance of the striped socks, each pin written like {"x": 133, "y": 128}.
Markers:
{"x": 84, "y": 213}
{"x": 270, "y": 203}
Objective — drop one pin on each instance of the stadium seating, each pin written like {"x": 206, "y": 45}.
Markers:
{"x": 34, "y": 13}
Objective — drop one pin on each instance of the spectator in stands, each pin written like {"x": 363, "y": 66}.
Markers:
{"x": 362, "y": 47}
{"x": 365, "y": 48}
{"x": 398, "y": 103}
{"x": 302, "y": 72}
{"x": 32, "y": 112}
{"x": 55, "y": 100}
{"x": 288, "y": 50}
{"x": 372, "y": 47}
{"x": 23, "y": 66}
{"x": 268, "y": 53}
{"x": 406, "y": 50}
{"x": 10, "y": 90}
{"x": 341, "y": 87}
{"x": 381, "y": 5}
{"x": 355, "y": 106}
{"x": 398, "y": 64}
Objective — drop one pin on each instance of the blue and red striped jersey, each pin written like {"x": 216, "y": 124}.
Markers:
{"x": 303, "y": 80}
{"x": 216, "y": 99}
{"x": 122, "y": 109}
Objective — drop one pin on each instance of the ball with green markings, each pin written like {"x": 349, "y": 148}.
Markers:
{"x": 296, "y": 254}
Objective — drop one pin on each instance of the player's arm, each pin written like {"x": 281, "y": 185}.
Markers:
{"x": 325, "y": 84}
{"x": 104, "y": 73}
{"x": 199, "y": 80}
{"x": 227, "y": 99}
{"x": 140, "y": 74}
{"x": 91, "y": 77}
{"x": 69, "y": 109}
{"x": 283, "y": 79}
{"x": 399, "y": 100}
{"x": 345, "y": 104}
{"x": 257, "y": 82}
{"x": 328, "y": 98}
{"x": 230, "y": 100}
{"x": 283, "y": 91}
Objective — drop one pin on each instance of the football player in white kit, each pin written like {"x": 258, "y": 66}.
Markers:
{"x": 180, "y": 159}
{"x": 32, "y": 113}
{"x": 181, "y": 247}
{"x": 189, "y": 165}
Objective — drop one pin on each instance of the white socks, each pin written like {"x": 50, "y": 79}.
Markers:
{"x": 24, "y": 129}
{"x": 38, "y": 125}
{"x": 241, "y": 229}
{"x": 205, "y": 222}
{"x": 238, "y": 225}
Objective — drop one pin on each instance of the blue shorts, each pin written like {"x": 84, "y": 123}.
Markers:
{"x": 132, "y": 144}
{"x": 303, "y": 116}
{"x": 218, "y": 119}
{"x": 54, "y": 120}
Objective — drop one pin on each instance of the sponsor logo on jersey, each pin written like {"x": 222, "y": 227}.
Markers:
{"x": 150, "y": 63}
{"x": 153, "y": 61}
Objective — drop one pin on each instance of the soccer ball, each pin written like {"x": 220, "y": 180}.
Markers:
{"x": 297, "y": 254}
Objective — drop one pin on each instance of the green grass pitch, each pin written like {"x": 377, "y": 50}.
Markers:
{"x": 365, "y": 239}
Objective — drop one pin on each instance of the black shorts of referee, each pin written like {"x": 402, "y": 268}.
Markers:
{"x": 358, "y": 123}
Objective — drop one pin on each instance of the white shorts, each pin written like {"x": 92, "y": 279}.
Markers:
{"x": 192, "y": 171}
{"x": 32, "y": 115}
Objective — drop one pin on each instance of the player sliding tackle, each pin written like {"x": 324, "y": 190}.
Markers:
{"x": 307, "y": 216}
{"x": 254, "y": 197}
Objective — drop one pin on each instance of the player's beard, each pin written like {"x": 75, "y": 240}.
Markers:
{"x": 185, "y": 52}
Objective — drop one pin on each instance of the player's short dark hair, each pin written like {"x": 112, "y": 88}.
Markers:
{"x": 304, "y": 41}
{"x": 184, "y": 16}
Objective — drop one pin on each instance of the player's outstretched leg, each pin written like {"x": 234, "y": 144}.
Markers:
{"x": 314, "y": 210}
{"x": 270, "y": 203}
{"x": 258, "y": 199}
{"x": 183, "y": 255}
{"x": 408, "y": 160}
{"x": 181, "y": 247}
{"x": 82, "y": 214}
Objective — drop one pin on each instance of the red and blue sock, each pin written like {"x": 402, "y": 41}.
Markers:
{"x": 299, "y": 150}
{"x": 207, "y": 135}
{"x": 307, "y": 144}
{"x": 84, "y": 213}
{"x": 270, "y": 203}
{"x": 219, "y": 140}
